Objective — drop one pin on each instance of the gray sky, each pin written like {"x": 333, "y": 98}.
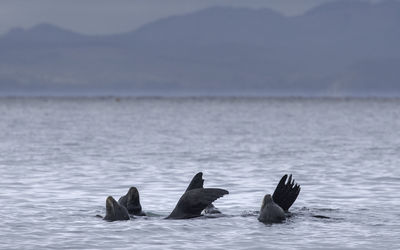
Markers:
{"x": 115, "y": 16}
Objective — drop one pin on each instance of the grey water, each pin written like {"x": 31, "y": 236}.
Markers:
{"x": 61, "y": 157}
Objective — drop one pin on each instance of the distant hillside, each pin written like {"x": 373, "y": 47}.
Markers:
{"x": 339, "y": 48}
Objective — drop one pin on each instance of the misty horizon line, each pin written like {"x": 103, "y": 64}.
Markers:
{"x": 57, "y": 95}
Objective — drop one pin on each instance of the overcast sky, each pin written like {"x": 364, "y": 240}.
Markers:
{"x": 115, "y": 16}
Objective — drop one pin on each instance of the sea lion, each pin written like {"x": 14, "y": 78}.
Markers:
{"x": 274, "y": 207}
{"x": 131, "y": 202}
{"x": 115, "y": 211}
{"x": 194, "y": 201}
{"x": 270, "y": 212}
{"x": 198, "y": 182}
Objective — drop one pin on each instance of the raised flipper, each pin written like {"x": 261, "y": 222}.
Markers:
{"x": 286, "y": 193}
{"x": 197, "y": 182}
{"x": 194, "y": 201}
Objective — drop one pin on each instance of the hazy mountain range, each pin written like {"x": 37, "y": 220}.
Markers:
{"x": 339, "y": 48}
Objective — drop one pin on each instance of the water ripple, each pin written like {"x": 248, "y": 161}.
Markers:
{"x": 60, "y": 159}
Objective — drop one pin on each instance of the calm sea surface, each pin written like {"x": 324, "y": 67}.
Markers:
{"x": 61, "y": 157}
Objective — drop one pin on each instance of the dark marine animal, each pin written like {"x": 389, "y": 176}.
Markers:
{"x": 274, "y": 207}
{"x": 115, "y": 211}
{"x": 195, "y": 199}
{"x": 131, "y": 202}
{"x": 198, "y": 182}
{"x": 270, "y": 212}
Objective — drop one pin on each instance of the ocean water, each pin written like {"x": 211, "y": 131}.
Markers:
{"x": 61, "y": 157}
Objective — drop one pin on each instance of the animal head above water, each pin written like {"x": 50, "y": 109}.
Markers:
{"x": 267, "y": 200}
{"x": 115, "y": 211}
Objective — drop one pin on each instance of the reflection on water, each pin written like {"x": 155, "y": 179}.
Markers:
{"x": 61, "y": 158}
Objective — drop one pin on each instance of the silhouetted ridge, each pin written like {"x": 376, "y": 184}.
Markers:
{"x": 346, "y": 48}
